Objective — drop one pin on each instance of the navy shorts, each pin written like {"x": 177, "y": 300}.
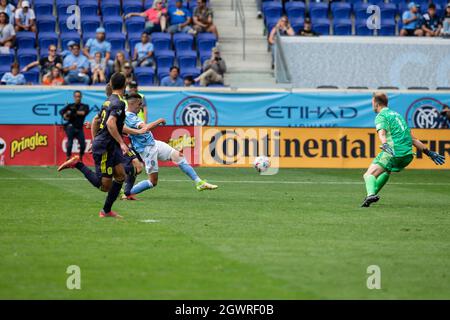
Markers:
{"x": 127, "y": 162}
{"x": 105, "y": 161}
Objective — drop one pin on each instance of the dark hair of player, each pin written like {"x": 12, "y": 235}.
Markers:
{"x": 133, "y": 96}
{"x": 381, "y": 99}
{"x": 118, "y": 81}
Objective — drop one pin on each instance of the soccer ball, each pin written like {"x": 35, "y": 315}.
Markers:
{"x": 261, "y": 163}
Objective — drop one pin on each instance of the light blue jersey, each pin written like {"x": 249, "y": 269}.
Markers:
{"x": 139, "y": 141}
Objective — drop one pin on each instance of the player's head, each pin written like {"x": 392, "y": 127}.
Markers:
{"x": 118, "y": 82}
{"x": 379, "y": 101}
{"x": 134, "y": 102}
{"x": 132, "y": 87}
{"x": 108, "y": 90}
{"x": 77, "y": 95}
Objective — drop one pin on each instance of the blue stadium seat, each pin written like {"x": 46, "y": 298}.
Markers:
{"x": 183, "y": 42}
{"x": 132, "y": 6}
{"x": 361, "y": 28}
{"x": 360, "y": 11}
{"x": 318, "y": 10}
{"x": 387, "y": 27}
{"x": 46, "y": 24}
{"x": 341, "y": 10}
{"x": 117, "y": 40}
{"x": 6, "y": 59}
{"x": 295, "y": 9}
{"x": 26, "y": 56}
{"x": 193, "y": 72}
{"x": 110, "y": 9}
{"x": 388, "y": 10}
{"x": 161, "y": 73}
{"x": 161, "y": 41}
{"x": 25, "y": 39}
{"x": 43, "y": 9}
{"x": 187, "y": 59}
{"x": 88, "y": 8}
{"x": 46, "y": 39}
{"x": 135, "y": 25}
{"x": 145, "y": 76}
{"x": 148, "y": 4}
{"x": 62, "y": 7}
{"x": 297, "y": 24}
{"x": 90, "y": 23}
{"x": 164, "y": 59}
{"x": 205, "y": 42}
{"x": 272, "y": 9}
{"x": 321, "y": 26}
{"x": 112, "y": 24}
{"x": 270, "y": 23}
{"x": 132, "y": 42}
{"x": 342, "y": 27}
{"x": 32, "y": 76}
{"x": 69, "y": 36}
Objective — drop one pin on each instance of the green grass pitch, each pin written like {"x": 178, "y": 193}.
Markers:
{"x": 297, "y": 235}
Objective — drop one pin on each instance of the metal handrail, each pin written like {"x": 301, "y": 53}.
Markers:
{"x": 238, "y": 8}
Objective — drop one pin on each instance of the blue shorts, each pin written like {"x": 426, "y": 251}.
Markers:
{"x": 107, "y": 160}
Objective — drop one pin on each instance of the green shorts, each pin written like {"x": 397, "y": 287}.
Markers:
{"x": 392, "y": 164}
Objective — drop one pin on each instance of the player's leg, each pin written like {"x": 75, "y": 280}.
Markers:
{"x": 166, "y": 152}
{"x": 381, "y": 181}
{"x": 132, "y": 169}
{"x": 70, "y": 136}
{"x": 381, "y": 164}
{"x": 150, "y": 158}
{"x": 95, "y": 178}
{"x": 147, "y": 184}
{"x": 371, "y": 176}
{"x": 82, "y": 142}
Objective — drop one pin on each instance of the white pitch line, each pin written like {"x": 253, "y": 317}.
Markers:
{"x": 242, "y": 181}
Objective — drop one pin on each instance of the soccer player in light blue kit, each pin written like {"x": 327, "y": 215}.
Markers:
{"x": 152, "y": 150}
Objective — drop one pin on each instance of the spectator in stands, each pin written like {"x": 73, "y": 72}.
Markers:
{"x": 214, "y": 70}
{"x": 7, "y": 8}
{"x": 180, "y": 19}
{"x": 444, "y": 119}
{"x": 143, "y": 52}
{"x": 46, "y": 64}
{"x": 14, "y": 77}
{"x": 54, "y": 78}
{"x": 284, "y": 28}
{"x": 411, "y": 21}
{"x": 156, "y": 17}
{"x": 98, "y": 68}
{"x": 446, "y": 21}
{"x": 119, "y": 62}
{"x": 99, "y": 44}
{"x": 68, "y": 50}
{"x": 203, "y": 19}
{"x": 76, "y": 67}
{"x": 307, "y": 31}
{"x": 188, "y": 81}
{"x": 7, "y": 33}
{"x": 431, "y": 22}
{"x": 25, "y": 18}
{"x": 128, "y": 72}
{"x": 173, "y": 79}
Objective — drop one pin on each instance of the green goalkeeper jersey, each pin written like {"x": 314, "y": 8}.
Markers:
{"x": 398, "y": 133}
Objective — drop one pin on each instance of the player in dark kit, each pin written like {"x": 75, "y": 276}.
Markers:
{"x": 108, "y": 148}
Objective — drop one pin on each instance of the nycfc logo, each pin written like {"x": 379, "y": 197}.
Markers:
{"x": 424, "y": 113}
{"x": 2, "y": 146}
{"x": 195, "y": 111}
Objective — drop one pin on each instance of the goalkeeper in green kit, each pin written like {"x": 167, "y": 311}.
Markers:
{"x": 396, "y": 144}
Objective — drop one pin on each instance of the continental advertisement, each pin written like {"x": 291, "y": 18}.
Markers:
{"x": 307, "y": 147}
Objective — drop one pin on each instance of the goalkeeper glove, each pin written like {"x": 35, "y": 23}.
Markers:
{"x": 388, "y": 149}
{"x": 436, "y": 157}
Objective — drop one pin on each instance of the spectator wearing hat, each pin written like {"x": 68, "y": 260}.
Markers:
{"x": 99, "y": 44}
{"x": 203, "y": 19}
{"x": 9, "y": 9}
{"x": 214, "y": 70}
{"x": 7, "y": 32}
{"x": 68, "y": 50}
{"x": 173, "y": 79}
{"x": 143, "y": 52}
{"x": 444, "y": 119}
{"x": 13, "y": 78}
{"x": 180, "y": 19}
{"x": 128, "y": 72}
{"x": 133, "y": 89}
{"x": 411, "y": 21}
{"x": 156, "y": 17}
{"x": 25, "y": 18}
{"x": 47, "y": 63}
{"x": 76, "y": 67}
{"x": 431, "y": 22}
{"x": 446, "y": 21}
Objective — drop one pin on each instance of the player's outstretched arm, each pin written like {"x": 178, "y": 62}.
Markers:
{"x": 132, "y": 131}
{"x": 95, "y": 126}
{"x": 112, "y": 128}
{"x": 436, "y": 157}
{"x": 384, "y": 145}
{"x": 154, "y": 124}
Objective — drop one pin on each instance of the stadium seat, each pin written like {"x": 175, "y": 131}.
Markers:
{"x": 387, "y": 27}
{"x": 117, "y": 40}
{"x": 25, "y": 39}
{"x": 132, "y": 6}
{"x": 183, "y": 42}
{"x": 272, "y": 9}
{"x": 135, "y": 25}
{"x": 145, "y": 76}
{"x": 270, "y": 23}
{"x": 162, "y": 73}
{"x": 318, "y": 10}
{"x": 46, "y": 39}
{"x": 388, "y": 10}
{"x": 88, "y": 8}
{"x": 360, "y": 11}
{"x": 164, "y": 59}
{"x": 341, "y": 10}
{"x": 148, "y": 4}
{"x": 32, "y": 76}
{"x": 361, "y": 28}
{"x": 193, "y": 72}
{"x": 69, "y": 36}
{"x": 43, "y": 9}
{"x": 321, "y": 26}
{"x": 6, "y": 59}
{"x": 342, "y": 27}
{"x": 294, "y": 9}
{"x": 132, "y": 42}
{"x": 46, "y": 24}
{"x": 26, "y": 56}
{"x": 205, "y": 42}
{"x": 112, "y": 24}
{"x": 90, "y": 23}
{"x": 187, "y": 59}
{"x": 110, "y": 8}
{"x": 161, "y": 41}
{"x": 63, "y": 6}
{"x": 297, "y": 24}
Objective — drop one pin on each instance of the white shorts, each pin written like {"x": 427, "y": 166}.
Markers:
{"x": 151, "y": 154}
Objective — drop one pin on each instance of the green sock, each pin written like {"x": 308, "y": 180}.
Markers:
{"x": 381, "y": 181}
{"x": 370, "y": 184}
